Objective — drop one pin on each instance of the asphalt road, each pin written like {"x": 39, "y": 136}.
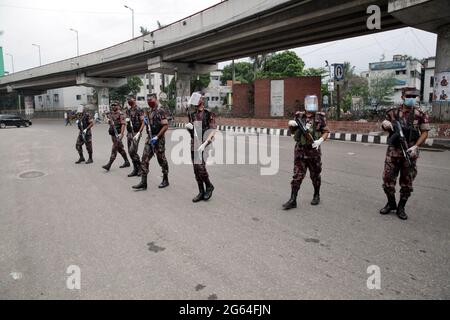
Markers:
{"x": 157, "y": 244}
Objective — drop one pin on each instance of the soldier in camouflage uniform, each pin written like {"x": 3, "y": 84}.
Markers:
{"x": 157, "y": 125}
{"x": 85, "y": 123}
{"x": 116, "y": 130}
{"x": 135, "y": 125}
{"x": 202, "y": 127}
{"x": 415, "y": 125}
{"x": 307, "y": 154}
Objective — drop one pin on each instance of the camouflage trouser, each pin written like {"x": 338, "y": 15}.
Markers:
{"x": 301, "y": 164}
{"x": 392, "y": 167}
{"x": 201, "y": 175}
{"x": 133, "y": 149}
{"x": 80, "y": 142}
{"x": 148, "y": 154}
{"x": 117, "y": 147}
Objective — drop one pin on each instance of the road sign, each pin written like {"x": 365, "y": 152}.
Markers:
{"x": 339, "y": 71}
{"x": 325, "y": 99}
{"x": 330, "y": 86}
{"x": 162, "y": 96}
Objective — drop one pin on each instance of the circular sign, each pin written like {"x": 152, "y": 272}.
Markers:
{"x": 339, "y": 72}
{"x": 325, "y": 99}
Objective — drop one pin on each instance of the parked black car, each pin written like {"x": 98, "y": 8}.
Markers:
{"x": 13, "y": 120}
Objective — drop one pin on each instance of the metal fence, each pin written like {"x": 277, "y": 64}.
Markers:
{"x": 440, "y": 111}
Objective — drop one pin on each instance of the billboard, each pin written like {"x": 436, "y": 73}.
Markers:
{"x": 2, "y": 64}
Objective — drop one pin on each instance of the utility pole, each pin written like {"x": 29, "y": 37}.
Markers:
{"x": 12, "y": 61}
{"x": 132, "y": 20}
{"x": 39, "y": 48}
{"x": 78, "y": 44}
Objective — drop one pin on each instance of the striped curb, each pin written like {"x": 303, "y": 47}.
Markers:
{"x": 352, "y": 137}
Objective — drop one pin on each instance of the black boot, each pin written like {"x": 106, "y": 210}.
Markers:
{"x": 134, "y": 173}
{"x": 401, "y": 209}
{"x": 292, "y": 203}
{"x": 90, "y": 159}
{"x": 107, "y": 166}
{"x": 209, "y": 191}
{"x": 142, "y": 185}
{"x": 165, "y": 181}
{"x": 316, "y": 199}
{"x": 126, "y": 164}
{"x": 390, "y": 205}
{"x": 201, "y": 194}
{"x": 81, "y": 159}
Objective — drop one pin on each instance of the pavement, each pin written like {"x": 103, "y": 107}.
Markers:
{"x": 157, "y": 244}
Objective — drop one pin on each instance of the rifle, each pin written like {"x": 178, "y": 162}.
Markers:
{"x": 83, "y": 135}
{"x": 149, "y": 131}
{"x": 303, "y": 129}
{"x": 398, "y": 134}
{"x": 111, "y": 123}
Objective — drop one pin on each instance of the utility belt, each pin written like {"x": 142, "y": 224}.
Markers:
{"x": 301, "y": 140}
{"x": 111, "y": 129}
{"x": 411, "y": 136}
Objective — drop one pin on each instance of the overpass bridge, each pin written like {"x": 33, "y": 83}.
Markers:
{"x": 228, "y": 30}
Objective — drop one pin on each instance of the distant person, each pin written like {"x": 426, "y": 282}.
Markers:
{"x": 67, "y": 118}
{"x": 96, "y": 118}
{"x": 85, "y": 124}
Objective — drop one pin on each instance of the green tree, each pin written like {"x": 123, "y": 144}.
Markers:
{"x": 284, "y": 64}
{"x": 243, "y": 72}
{"x": 132, "y": 87}
{"x": 200, "y": 82}
{"x": 315, "y": 72}
{"x": 382, "y": 89}
{"x": 258, "y": 62}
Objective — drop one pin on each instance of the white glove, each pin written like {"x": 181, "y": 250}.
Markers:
{"x": 189, "y": 126}
{"x": 137, "y": 136}
{"x": 316, "y": 144}
{"x": 292, "y": 123}
{"x": 84, "y": 131}
{"x": 154, "y": 140}
{"x": 127, "y": 119}
{"x": 203, "y": 146}
{"x": 308, "y": 126}
{"x": 413, "y": 151}
{"x": 386, "y": 125}
{"x": 77, "y": 122}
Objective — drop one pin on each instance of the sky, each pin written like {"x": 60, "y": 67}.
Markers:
{"x": 103, "y": 23}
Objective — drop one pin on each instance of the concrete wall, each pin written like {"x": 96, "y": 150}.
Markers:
{"x": 63, "y": 98}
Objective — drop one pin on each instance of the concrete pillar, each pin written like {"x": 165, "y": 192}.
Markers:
{"x": 183, "y": 83}
{"x": 441, "y": 96}
{"x": 103, "y": 100}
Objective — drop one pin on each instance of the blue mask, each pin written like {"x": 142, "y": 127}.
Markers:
{"x": 410, "y": 102}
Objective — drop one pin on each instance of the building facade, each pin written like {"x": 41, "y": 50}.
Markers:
{"x": 64, "y": 99}
{"x": 406, "y": 71}
{"x": 217, "y": 96}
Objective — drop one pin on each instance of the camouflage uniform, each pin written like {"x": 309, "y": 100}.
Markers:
{"x": 208, "y": 120}
{"x": 413, "y": 122}
{"x": 157, "y": 120}
{"x": 118, "y": 120}
{"x": 136, "y": 116}
{"x": 84, "y": 120}
{"x": 305, "y": 156}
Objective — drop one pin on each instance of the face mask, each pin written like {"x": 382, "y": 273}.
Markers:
{"x": 311, "y": 107}
{"x": 410, "y": 102}
{"x": 151, "y": 103}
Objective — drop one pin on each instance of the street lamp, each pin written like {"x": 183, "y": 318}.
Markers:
{"x": 132, "y": 20}
{"x": 78, "y": 44}
{"x": 39, "y": 48}
{"x": 12, "y": 61}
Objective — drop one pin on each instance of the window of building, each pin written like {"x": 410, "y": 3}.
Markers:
{"x": 78, "y": 96}
{"x": 48, "y": 99}
{"x": 153, "y": 87}
{"x": 56, "y": 98}
{"x": 432, "y": 81}
{"x": 430, "y": 96}
{"x": 148, "y": 87}
{"x": 40, "y": 98}
{"x": 90, "y": 98}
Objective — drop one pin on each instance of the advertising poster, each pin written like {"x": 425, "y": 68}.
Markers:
{"x": 442, "y": 87}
